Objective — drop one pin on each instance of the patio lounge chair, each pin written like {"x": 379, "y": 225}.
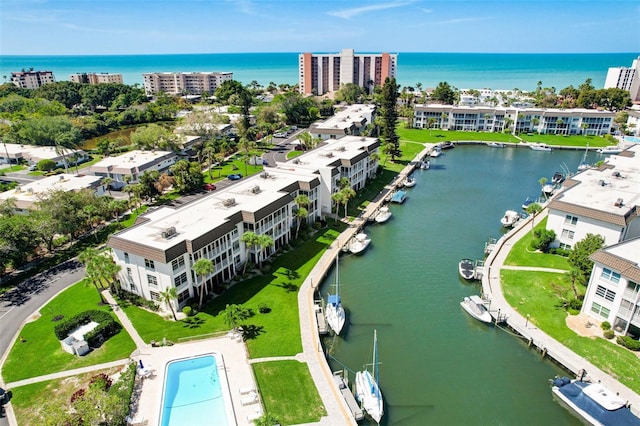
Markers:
{"x": 135, "y": 420}
{"x": 252, "y": 398}
{"x": 254, "y": 416}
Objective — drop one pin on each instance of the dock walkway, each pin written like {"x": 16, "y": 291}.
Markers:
{"x": 492, "y": 287}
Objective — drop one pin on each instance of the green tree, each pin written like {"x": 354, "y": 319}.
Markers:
{"x": 350, "y": 93}
{"x": 250, "y": 240}
{"x": 444, "y": 94}
{"x": 167, "y": 297}
{"x": 582, "y": 250}
{"x": 533, "y": 209}
{"x": 187, "y": 176}
{"x": 203, "y": 267}
{"x": 94, "y": 263}
{"x": 574, "y": 275}
{"x": 388, "y": 102}
{"x": 154, "y": 136}
{"x": 234, "y": 314}
{"x": 264, "y": 242}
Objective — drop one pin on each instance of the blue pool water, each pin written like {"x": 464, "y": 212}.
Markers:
{"x": 193, "y": 393}
{"x": 631, "y": 139}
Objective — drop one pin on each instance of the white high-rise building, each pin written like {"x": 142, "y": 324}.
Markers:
{"x": 190, "y": 83}
{"x": 32, "y": 79}
{"x": 625, "y": 78}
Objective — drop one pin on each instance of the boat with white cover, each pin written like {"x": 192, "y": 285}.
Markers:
{"x": 510, "y": 218}
{"x": 610, "y": 150}
{"x": 424, "y": 164}
{"x": 475, "y": 307}
{"x": 409, "y": 182}
{"x": 592, "y": 403}
{"x": 384, "y": 214}
{"x": 359, "y": 243}
{"x": 466, "y": 268}
{"x": 399, "y": 196}
{"x": 334, "y": 312}
{"x": 495, "y": 145}
{"x": 540, "y": 147}
{"x": 367, "y": 387}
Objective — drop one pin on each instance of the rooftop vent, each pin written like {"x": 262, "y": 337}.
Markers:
{"x": 296, "y": 161}
{"x": 255, "y": 189}
{"x": 329, "y": 154}
{"x": 342, "y": 148}
{"x": 616, "y": 174}
{"x": 264, "y": 175}
{"x": 168, "y": 232}
{"x": 619, "y": 202}
{"x": 601, "y": 182}
{"x": 229, "y": 202}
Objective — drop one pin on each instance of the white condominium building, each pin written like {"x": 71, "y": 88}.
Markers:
{"x": 602, "y": 201}
{"x": 130, "y": 165}
{"x": 626, "y": 79}
{"x": 576, "y": 121}
{"x": 351, "y": 120}
{"x": 159, "y": 251}
{"x": 184, "y": 83}
{"x": 32, "y": 79}
{"x": 96, "y": 78}
{"x": 613, "y": 293}
{"x": 320, "y": 73}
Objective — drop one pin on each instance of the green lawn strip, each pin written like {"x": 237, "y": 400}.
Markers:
{"x": 276, "y": 333}
{"x": 561, "y": 140}
{"x": 42, "y": 353}
{"x": 288, "y": 392}
{"x": 538, "y": 294}
{"x": 522, "y": 255}
{"x": 436, "y": 136}
{"x": 236, "y": 164}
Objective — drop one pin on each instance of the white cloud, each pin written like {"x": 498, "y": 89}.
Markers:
{"x": 355, "y": 11}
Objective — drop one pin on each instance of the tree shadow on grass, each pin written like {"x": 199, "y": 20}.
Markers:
{"x": 289, "y": 273}
{"x": 251, "y": 332}
{"x": 193, "y": 322}
{"x": 289, "y": 287}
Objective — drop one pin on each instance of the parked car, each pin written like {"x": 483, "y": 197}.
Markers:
{"x": 279, "y": 135}
{"x": 209, "y": 187}
{"x": 235, "y": 176}
{"x": 293, "y": 128}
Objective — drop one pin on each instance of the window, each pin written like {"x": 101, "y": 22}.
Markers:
{"x": 567, "y": 234}
{"x": 154, "y": 295}
{"x": 565, "y": 246}
{"x": 570, "y": 220}
{"x": 180, "y": 279}
{"x": 152, "y": 280}
{"x": 600, "y": 310}
{"x": 177, "y": 263}
{"x": 609, "y": 275}
{"x": 149, "y": 264}
{"x": 605, "y": 293}
{"x": 184, "y": 296}
{"x": 126, "y": 257}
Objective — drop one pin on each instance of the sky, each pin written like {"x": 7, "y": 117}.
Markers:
{"x": 102, "y": 27}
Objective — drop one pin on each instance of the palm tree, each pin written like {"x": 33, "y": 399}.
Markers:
{"x": 233, "y": 314}
{"x": 574, "y": 275}
{"x": 443, "y": 117}
{"x": 94, "y": 264}
{"x": 250, "y": 239}
{"x": 559, "y": 122}
{"x": 533, "y": 209}
{"x": 167, "y": 297}
{"x": 338, "y": 198}
{"x": 584, "y": 127}
{"x": 106, "y": 181}
{"x": 203, "y": 267}
{"x": 346, "y": 194}
{"x": 542, "y": 181}
{"x": 265, "y": 242}
{"x": 300, "y": 214}
{"x": 344, "y": 182}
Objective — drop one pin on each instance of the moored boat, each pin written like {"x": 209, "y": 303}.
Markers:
{"x": 359, "y": 243}
{"x": 528, "y": 202}
{"x": 592, "y": 403}
{"x": 398, "y": 197}
{"x": 384, "y": 214}
{"x": 548, "y": 189}
{"x": 495, "y": 144}
{"x": 447, "y": 145}
{"x": 475, "y": 307}
{"x": 409, "y": 182}
{"x": 367, "y": 387}
{"x": 510, "y": 218}
{"x": 610, "y": 150}
{"x": 540, "y": 147}
{"x": 424, "y": 165}
{"x": 558, "y": 178}
{"x": 334, "y": 312}
{"x": 435, "y": 152}
{"x": 466, "y": 268}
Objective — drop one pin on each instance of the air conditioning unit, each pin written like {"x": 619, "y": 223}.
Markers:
{"x": 296, "y": 161}
{"x": 342, "y": 149}
{"x": 329, "y": 154}
{"x": 616, "y": 174}
{"x": 264, "y": 175}
{"x": 619, "y": 202}
{"x": 229, "y": 202}
{"x": 255, "y": 189}
{"x": 168, "y": 232}
{"x": 601, "y": 182}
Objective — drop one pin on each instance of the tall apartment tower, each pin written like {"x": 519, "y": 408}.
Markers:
{"x": 625, "y": 78}
{"x": 96, "y": 78}
{"x": 177, "y": 83}
{"x": 321, "y": 73}
{"x": 32, "y": 79}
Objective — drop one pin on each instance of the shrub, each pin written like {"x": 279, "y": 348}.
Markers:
{"x": 575, "y": 304}
{"x": 628, "y": 342}
{"x": 107, "y": 327}
{"x": 543, "y": 237}
{"x": 608, "y": 334}
{"x": 101, "y": 381}
{"x": 187, "y": 311}
{"x": 560, "y": 251}
{"x": 79, "y": 394}
{"x": 606, "y": 325}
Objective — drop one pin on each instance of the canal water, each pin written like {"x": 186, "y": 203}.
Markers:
{"x": 438, "y": 366}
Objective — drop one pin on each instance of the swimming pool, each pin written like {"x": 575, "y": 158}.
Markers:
{"x": 631, "y": 139}
{"x": 195, "y": 393}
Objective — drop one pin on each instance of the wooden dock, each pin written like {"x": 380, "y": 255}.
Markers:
{"x": 320, "y": 318}
{"x": 342, "y": 381}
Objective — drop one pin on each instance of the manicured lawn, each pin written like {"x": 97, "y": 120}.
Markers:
{"x": 522, "y": 255}
{"x": 235, "y": 164}
{"x": 537, "y": 294}
{"x": 288, "y": 392}
{"x": 42, "y": 353}
{"x": 574, "y": 140}
{"x": 276, "y": 333}
{"x": 436, "y": 136}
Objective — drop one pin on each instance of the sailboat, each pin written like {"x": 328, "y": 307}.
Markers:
{"x": 583, "y": 164}
{"x": 367, "y": 388}
{"x": 334, "y": 312}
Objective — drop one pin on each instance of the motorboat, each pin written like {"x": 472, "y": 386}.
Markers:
{"x": 610, "y": 150}
{"x": 495, "y": 145}
{"x": 424, "y": 165}
{"x": 359, "y": 243}
{"x": 384, "y": 214}
{"x": 409, "y": 182}
{"x": 592, "y": 403}
{"x": 447, "y": 145}
{"x": 548, "y": 189}
{"x": 334, "y": 312}
{"x": 367, "y": 387}
{"x": 540, "y": 147}
{"x": 475, "y": 307}
{"x": 528, "y": 202}
{"x": 399, "y": 196}
{"x": 435, "y": 152}
{"x": 466, "y": 268}
{"x": 510, "y": 218}
{"x": 583, "y": 163}
{"x": 558, "y": 178}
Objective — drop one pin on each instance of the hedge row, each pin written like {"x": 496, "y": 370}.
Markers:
{"x": 107, "y": 326}
{"x": 628, "y": 343}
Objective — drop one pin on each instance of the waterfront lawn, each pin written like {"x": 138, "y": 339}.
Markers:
{"x": 437, "y": 135}
{"x": 42, "y": 353}
{"x": 288, "y": 392}
{"x": 522, "y": 255}
{"x": 276, "y": 333}
{"x": 539, "y": 294}
{"x": 562, "y": 140}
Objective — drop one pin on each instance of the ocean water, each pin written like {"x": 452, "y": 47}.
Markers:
{"x": 462, "y": 70}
